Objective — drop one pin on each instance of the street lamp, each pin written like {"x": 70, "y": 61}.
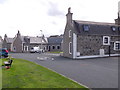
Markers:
{"x": 41, "y": 39}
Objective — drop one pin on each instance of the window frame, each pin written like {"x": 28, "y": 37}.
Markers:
{"x": 70, "y": 33}
{"x": 108, "y": 42}
{"x": 118, "y": 48}
{"x": 70, "y": 47}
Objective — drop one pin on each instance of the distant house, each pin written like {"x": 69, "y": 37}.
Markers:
{"x": 54, "y": 43}
{"x": 7, "y": 43}
{"x": 1, "y": 41}
{"x": 91, "y": 39}
{"x": 31, "y": 42}
{"x": 25, "y": 43}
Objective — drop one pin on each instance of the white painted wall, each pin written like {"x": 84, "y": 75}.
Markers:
{"x": 74, "y": 45}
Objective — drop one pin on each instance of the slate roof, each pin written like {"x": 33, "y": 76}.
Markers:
{"x": 95, "y": 28}
{"x": 9, "y": 40}
{"x": 37, "y": 40}
{"x": 1, "y": 40}
{"x": 55, "y": 40}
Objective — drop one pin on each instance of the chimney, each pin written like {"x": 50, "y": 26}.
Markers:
{"x": 117, "y": 21}
{"x": 69, "y": 15}
{"x": 18, "y": 34}
{"x": 5, "y": 36}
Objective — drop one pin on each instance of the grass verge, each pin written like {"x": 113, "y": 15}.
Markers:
{"x": 26, "y": 74}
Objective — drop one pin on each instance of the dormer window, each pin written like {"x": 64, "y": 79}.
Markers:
{"x": 86, "y": 27}
{"x": 113, "y": 28}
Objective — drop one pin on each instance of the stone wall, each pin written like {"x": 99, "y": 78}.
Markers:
{"x": 90, "y": 45}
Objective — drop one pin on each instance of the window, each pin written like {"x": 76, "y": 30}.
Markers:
{"x": 106, "y": 40}
{"x": 69, "y": 33}
{"x": 86, "y": 27}
{"x": 113, "y": 28}
{"x": 49, "y": 48}
{"x": 58, "y": 47}
{"x": 117, "y": 45}
{"x": 14, "y": 48}
{"x": 70, "y": 48}
{"x": 53, "y": 47}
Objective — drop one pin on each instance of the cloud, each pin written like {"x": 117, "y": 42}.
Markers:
{"x": 31, "y": 16}
{"x": 53, "y": 9}
{"x": 2, "y": 1}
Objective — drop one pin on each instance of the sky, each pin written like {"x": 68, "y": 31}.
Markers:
{"x": 32, "y": 16}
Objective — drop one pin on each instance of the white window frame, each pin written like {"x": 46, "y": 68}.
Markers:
{"x": 69, "y": 33}
{"x": 116, "y": 48}
{"x": 107, "y": 41}
{"x": 70, "y": 47}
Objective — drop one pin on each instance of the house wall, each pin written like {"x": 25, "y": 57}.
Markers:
{"x": 1, "y": 41}
{"x": 67, "y": 40}
{"x": 91, "y": 44}
{"x": 54, "y": 47}
{"x": 6, "y": 45}
{"x": 17, "y": 45}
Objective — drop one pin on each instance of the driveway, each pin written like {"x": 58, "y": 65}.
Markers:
{"x": 94, "y": 73}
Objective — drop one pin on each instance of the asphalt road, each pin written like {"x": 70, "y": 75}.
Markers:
{"x": 94, "y": 73}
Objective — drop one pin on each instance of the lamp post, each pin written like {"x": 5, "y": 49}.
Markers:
{"x": 41, "y": 40}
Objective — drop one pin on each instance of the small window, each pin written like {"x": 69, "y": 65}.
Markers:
{"x": 106, "y": 40}
{"x": 58, "y": 47}
{"x": 70, "y": 48}
{"x": 113, "y": 28}
{"x": 53, "y": 47}
{"x": 14, "y": 48}
{"x": 117, "y": 45}
{"x": 69, "y": 33}
{"x": 86, "y": 27}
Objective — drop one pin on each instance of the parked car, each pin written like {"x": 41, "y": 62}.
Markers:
{"x": 4, "y": 52}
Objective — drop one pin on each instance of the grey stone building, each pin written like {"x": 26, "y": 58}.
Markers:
{"x": 90, "y": 39}
{"x": 54, "y": 43}
{"x": 25, "y": 43}
{"x": 1, "y": 41}
{"x": 7, "y": 43}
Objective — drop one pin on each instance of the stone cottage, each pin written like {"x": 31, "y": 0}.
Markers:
{"x": 54, "y": 43}
{"x": 25, "y": 43}
{"x": 1, "y": 41}
{"x": 7, "y": 42}
{"x": 90, "y": 39}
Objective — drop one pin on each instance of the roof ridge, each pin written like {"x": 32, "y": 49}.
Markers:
{"x": 94, "y": 22}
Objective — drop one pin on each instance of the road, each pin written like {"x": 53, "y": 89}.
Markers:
{"x": 94, "y": 73}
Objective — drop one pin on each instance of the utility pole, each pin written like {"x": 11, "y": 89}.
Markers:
{"x": 41, "y": 39}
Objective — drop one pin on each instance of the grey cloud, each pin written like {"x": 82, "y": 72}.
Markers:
{"x": 54, "y": 10}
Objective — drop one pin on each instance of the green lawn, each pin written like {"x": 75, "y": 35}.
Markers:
{"x": 26, "y": 74}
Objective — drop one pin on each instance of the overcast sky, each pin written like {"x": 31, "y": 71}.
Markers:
{"x": 31, "y": 16}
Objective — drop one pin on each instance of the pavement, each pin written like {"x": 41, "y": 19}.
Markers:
{"x": 94, "y": 73}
